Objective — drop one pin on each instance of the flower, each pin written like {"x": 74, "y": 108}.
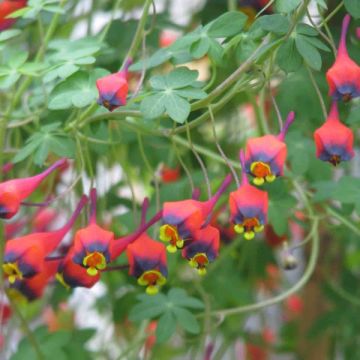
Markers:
{"x": 182, "y": 218}
{"x": 7, "y": 7}
{"x": 248, "y": 207}
{"x": 147, "y": 260}
{"x": 33, "y": 288}
{"x": 24, "y": 257}
{"x": 203, "y": 249}
{"x": 344, "y": 75}
{"x": 333, "y": 140}
{"x": 93, "y": 245}
{"x": 265, "y": 156}
{"x": 113, "y": 89}
{"x": 13, "y": 192}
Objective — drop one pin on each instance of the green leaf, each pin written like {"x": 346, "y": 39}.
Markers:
{"x": 228, "y": 24}
{"x": 309, "y": 53}
{"x": 305, "y": 29}
{"x": 8, "y": 34}
{"x": 152, "y": 106}
{"x": 176, "y": 107}
{"x": 191, "y": 93}
{"x": 79, "y": 90}
{"x": 216, "y": 52}
{"x": 316, "y": 42}
{"x": 181, "y": 77}
{"x": 200, "y": 47}
{"x": 277, "y": 23}
{"x": 322, "y": 3}
{"x": 158, "y": 58}
{"x": 180, "y": 298}
{"x": 149, "y": 307}
{"x": 187, "y": 320}
{"x": 324, "y": 190}
{"x": 288, "y": 57}
{"x": 165, "y": 327}
{"x": 353, "y": 7}
{"x": 287, "y": 6}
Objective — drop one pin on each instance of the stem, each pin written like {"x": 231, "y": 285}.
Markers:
{"x": 139, "y": 32}
{"x": 342, "y": 219}
{"x": 29, "y": 334}
{"x": 304, "y": 279}
{"x": 333, "y": 13}
{"x": 318, "y": 92}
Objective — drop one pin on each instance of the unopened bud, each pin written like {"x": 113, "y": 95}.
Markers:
{"x": 289, "y": 262}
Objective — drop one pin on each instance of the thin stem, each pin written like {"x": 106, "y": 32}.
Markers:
{"x": 276, "y": 299}
{"x": 344, "y": 294}
{"x": 201, "y": 163}
{"x": 342, "y": 219}
{"x": 29, "y": 334}
{"x": 221, "y": 151}
{"x": 181, "y": 161}
{"x": 318, "y": 92}
{"x": 332, "y": 14}
{"x": 322, "y": 34}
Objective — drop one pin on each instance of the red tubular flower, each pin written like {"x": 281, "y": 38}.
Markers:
{"x": 33, "y": 288}
{"x": 203, "y": 249}
{"x": 333, "y": 140}
{"x": 169, "y": 175}
{"x": 72, "y": 275}
{"x": 113, "y": 89}
{"x": 182, "y": 218}
{"x": 24, "y": 257}
{"x": 93, "y": 246}
{"x": 13, "y": 192}
{"x": 265, "y": 156}
{"x": 75, "y": 274}
{"x": 7, "y": 7}
{"x": 344, "y": 76}
{"x": 147, "y": 260}
{"x": 11, "y": 229}
{"x": 248, "y": 207}
{"x": 43, "y": 219}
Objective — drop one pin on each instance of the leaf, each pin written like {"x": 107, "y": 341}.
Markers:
{"x": 353, "y": 7}
{"x": 165, "y": 327}
{"x": 277, "y": 23}
{"x": 79, "y": 90}
{"x": 8, "y": 34}
{"x": 181, "y": 77}
{"x": 309, "y": 53}
{"x": 152, "y": 106}
{"x": 287, "y": 57}
{"x": 176, "y": 107}
{"x": 324, "y": 190}
{"x": 305, "y": 29}
{"x": 191, "y": 93}
{"x": 200, "y": 47}
{"x": 187, "y": 320}
{"x": 287, "y": 6}
{"x": 158, "y": 58}
{"x": 316, "y": 42}
{"x": 148, "y": 308}
{"x": 180, "y": 298}
{"x": 228, "y": 24}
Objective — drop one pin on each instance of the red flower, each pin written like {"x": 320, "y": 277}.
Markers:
{"x": 93, "y": 245}
{"x": 265, "y": 156}
{"x": 169, "y": 175}
{"x": 13, "y": 192}
{"x": 248, "y": 207}
{"x": 147, "y": 260}
{"x": 43, "y": 219}
{"x": 73, "y": 273}
{"x": 113, "y": 89}
{"x": 333, "y": 140}
{"x": 344, "y": 76}
{"x": 203, "y": 249}
{"x": 182, "y": 218}
{"x": 33, "y": 288}
{"x": 24, "y": 257}
{"x": 7, "y": 7}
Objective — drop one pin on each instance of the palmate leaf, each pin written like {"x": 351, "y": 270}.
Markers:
{"x": 171, "y": 309}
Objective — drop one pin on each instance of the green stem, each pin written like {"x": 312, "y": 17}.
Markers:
{"x": 332, "y": 14}
{"x": 29, "y": 334}
{"x": 276, "y": 299}
{"x": 342, "y": 219}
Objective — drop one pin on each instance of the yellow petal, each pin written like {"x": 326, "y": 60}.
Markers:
{"x": 141, "y": 281}
{"x": 162, "y": 235}
{"x": 171, "y": 249}
{"x": 152, "y": 290}
{"x": 92, "y": 271}
{"x": 12, "y": 279}
{"x": 180, "y": 243}
{"x": 258, "y": 181}
{"x": 249, "y": 235}
{"x": 202, "y": 271}
{"x": 259, "y": 228}
{"x": 239, "y": 228}
{"x": 270, "y": 178}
